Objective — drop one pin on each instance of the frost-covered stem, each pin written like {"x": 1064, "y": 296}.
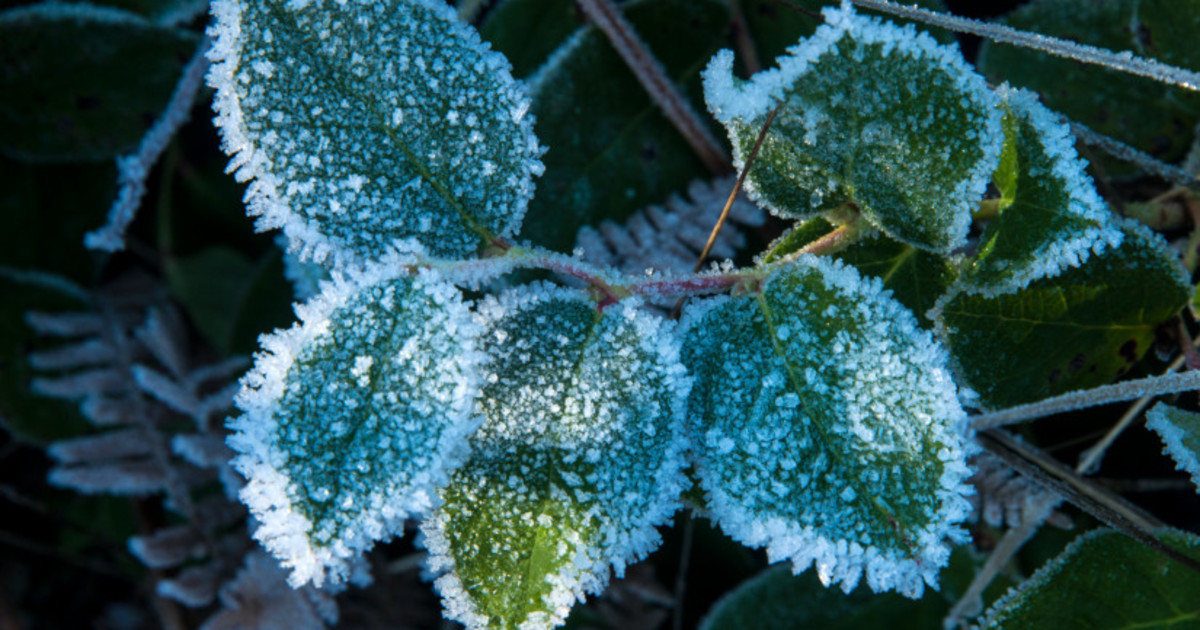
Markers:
{"x": 1089, "y": 460}
{"x": 569, "y": 266}
{"x": 971, "y": 602}
{"x": 658, "y": 85}
{"x": 737, "y": 187}
{"x": 133, "y": 169}
{"x": 1141, "y": 159}
{"x": 1123, "y": 62}
{"x": 1117, "y": 392}
{"x": 691, "y": 285}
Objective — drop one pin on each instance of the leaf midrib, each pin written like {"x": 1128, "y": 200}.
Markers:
{"x": 327, "y": 73}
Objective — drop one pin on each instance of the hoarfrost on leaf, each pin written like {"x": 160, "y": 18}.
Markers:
{"x": 361, "y": 123}
{"x": 1180, "y": 433}
{"x": 870, "y": 113}
{"x": 353, "y": 418}
{"x": 578, "y": 459}
{"x": 826, "y": 427}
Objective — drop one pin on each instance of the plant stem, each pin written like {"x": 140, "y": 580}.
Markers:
{"x": 841, "y": 238}
{"x": 1141, "y": 159}
{"x": 1117, "y": 392}
{"x": 1124, "y": 62}
{"x": 657, "y": 84}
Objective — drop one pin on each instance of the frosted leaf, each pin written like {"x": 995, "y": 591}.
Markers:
{"x": 1105, "y": 580}
{"x": 1053, "y": 219}
{"x": 1180, "y": 433}
{"x": 1079, "y": 328}
{"x": 874, "y": 114}
{"x": 361, "y": 123}
{"x": 827, "y": 428}
{"x": 577, "y": 461}
{"x": 353, "y": 417}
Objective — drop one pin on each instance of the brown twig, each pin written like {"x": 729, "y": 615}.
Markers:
{"x": 657, "y": 84}
{"x": 737, "y": 187}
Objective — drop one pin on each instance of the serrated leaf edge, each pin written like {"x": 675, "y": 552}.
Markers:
{"x": 731, "y": 98}
{"x": 1158, "y": 419}
{"x": 248, "y": 164}
{"x": 841, "y": 561}
{"x": 590, "y": 573}
{"x": 282, "y": 530}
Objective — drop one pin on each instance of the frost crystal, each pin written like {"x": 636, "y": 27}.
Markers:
{"x": 1180, "y": 433}
{"x": 578, "y": 459}
{"x": 827, "y": 427}
{"x": 353, "y": 417}
{"x": 870, "y": 113}
{"x": 362, "y": 122}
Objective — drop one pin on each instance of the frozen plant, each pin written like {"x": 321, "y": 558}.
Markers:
{"x": 452, "y": 370}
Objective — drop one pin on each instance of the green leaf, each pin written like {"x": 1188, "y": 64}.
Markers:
{"x": 579, "y": 457}
{"x": 1051, "y": 216}
{"x": 528, "y": 31}
{"x": 1165, "y": 30}
{"x": 1149, "y": 115}
{"x": 372, "y": 122}
{"x": 856, "y": 125}
{"x": 836, "y": 445}
{"x": 353, "y": 418}
{"x": 1105, "y": 580}
{"x": 915, "y": 277}
{"x": 1079, "y": 329}
{"x": 611, "y": 150}
{"x": 1180, "y": 433}
{"x": 777, "y": 600}
{"x": 82, "y": 82}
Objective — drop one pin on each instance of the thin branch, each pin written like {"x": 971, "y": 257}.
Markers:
{"x": 657, "y": 84}
{"x": 133, "y": 169}
{"x": 1123, "y": 62}
{"x": 1141, "y": 159}
{"x": 737, "y": 187}
{"x": 1089, "y": 460}
{"x": 1126, "y": 390}
{"x": 1101, "y": 503}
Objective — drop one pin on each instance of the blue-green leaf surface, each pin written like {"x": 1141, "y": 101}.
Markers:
{"x": 869, "y": 113}
{"x": 827, "y": 428}
{"x": 353, "y": 418}
{"x": 578, "y": 459}
{"x": 361, "y": 123}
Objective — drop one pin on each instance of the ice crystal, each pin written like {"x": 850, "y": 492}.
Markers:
{"x": 1180, "y": 433}
{"x": 827, "y": 427}
{"x": 869, "y": 113}
{"x": 367, "y": 121}
{"x": 577, "y": 461}
{"x": 353, "y": 417}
